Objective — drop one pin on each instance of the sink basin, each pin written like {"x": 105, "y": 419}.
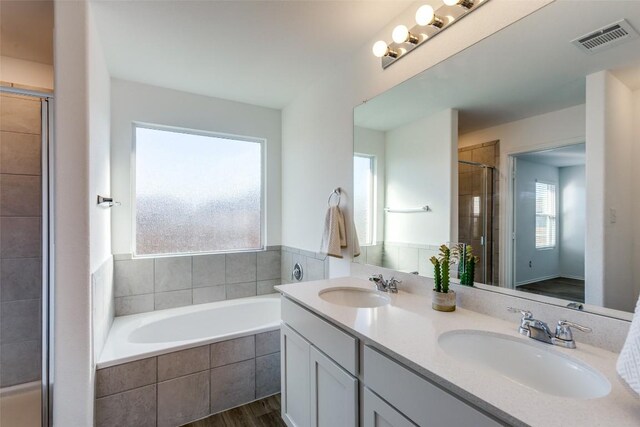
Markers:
{"x": 354, "y": 297}
{"x": 527, "y": 363}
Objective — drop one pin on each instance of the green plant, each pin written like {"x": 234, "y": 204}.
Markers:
{"x": 468, "y": 266}
{"x": 445, "y": 264}
{"x": 436, "y": 274}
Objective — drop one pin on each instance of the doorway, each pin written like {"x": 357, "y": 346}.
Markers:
{"x": 549, "y": 222}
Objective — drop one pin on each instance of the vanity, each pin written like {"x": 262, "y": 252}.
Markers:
{"x": 369, "y": 358}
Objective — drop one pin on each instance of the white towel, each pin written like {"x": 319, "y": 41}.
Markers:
{"x": 334, "y": 237}
{"x": 628, "y": 365}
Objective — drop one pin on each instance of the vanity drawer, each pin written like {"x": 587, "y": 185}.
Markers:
{"x": 417, "y": 398}
{"x": 335, "y": 343}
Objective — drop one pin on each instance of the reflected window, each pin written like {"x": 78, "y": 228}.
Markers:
{"x": 546, "y": 213}
{"x": 363, "y": 197}
{"x": 196, "y": 192}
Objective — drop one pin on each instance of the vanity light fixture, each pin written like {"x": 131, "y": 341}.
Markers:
{"x": 430, "y": 22}
{"x": 467, "y": 4}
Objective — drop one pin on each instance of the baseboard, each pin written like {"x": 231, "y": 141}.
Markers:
{"x": 538, "y": 279}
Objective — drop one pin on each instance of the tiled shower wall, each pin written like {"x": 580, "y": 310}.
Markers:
{"x": 315, "y": 266}
{"x": 20, "y": 240}
{"x": 148, "y": 284}
{"x": 489, "y": 154}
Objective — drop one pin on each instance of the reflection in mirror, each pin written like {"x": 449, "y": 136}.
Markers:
{"x": 524, "y": 146}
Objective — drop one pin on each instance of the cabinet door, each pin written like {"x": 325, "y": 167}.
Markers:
{"x": 334, "y": 393}
{"x": 294, "y": 351}
{"x": 378, "y": 413}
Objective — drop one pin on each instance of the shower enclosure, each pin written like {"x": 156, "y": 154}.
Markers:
{"x": 25, "y": 118}
{"x": 475, "y": 215}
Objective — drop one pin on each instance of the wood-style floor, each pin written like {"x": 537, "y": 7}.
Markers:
{"x": 561, "y": 287}
{"x": 261, "y": 413}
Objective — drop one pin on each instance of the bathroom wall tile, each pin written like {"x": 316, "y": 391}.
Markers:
{"x": 241, "y": 290}
{"x": 267, "y": 375}
{"x": 209, "y": 294}
{"x": 127, "y": 376}
{"x": 133, "y": 277}
{"x": 231, "y": 351}
{"x": 183, "y": 362}
{"x": 20, "y": 153}
{"x": 172, "y": 299}
{"x": 208, "y": 270}
{"x": 266, "y": 286}
{"x": 183, "y": 399}
{"x": 408, "y": 259}
{"x": 20, "y": 237}
{"x": 20, "y": 114}
{"x": 315, "y": 269}
{"x": 103, "y": 310}
{"x": 20, "y": 362}
{"x": 267, "y": 342}
{"x": 20, "y": 321}
{"x": 20, "y": 195}
{"x": 134, "y": 304}
{"x": 172, "y": 274}
{"x": 241, "y": 268}
{"x": 285, "y": 267}
{"x": 21, "y": 278}
{"x": 132, "y": 408}
{"x": 302, "y": 260}
{"x": 268, "y": 265}
{"x": 233, "y": 385}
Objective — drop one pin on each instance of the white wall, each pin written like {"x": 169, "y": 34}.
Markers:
{"x": 636, "y": 195}
{"x": 73, "y": 368}
{"x": 610, "y": 167}
{"x": 369, "y": 141}
{"x": 548, "y": 130}
{"x": 573, "y": 217}
{"x": 418, "y": 172}
{"x": 26, "y": 73}
{"x": 150, "y": 104}
{"x": 318, "y": 125}
{"x": 532, "y": 264}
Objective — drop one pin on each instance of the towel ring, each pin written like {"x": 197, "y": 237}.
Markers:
{"x": 335, "y": 192}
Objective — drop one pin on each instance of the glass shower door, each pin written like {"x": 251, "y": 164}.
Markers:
{"x": 475, "y": 213}
{"x": 23, "y": 258}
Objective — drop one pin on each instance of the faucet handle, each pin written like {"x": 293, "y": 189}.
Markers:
{"x": 393, "y": 284}
{"x": 563, "y": 330}
{"x": 526, "y": 314}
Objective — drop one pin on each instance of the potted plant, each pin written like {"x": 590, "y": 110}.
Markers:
{"x": 443, "y": 299}
{"x": 468, "y": 264}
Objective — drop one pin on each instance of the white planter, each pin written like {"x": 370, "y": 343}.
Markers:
{"x": 443, "y": 302}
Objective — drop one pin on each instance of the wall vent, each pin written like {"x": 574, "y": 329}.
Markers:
{"x": 606, "y": 37}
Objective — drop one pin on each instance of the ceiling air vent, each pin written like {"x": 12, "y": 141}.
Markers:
{"x": 606, "y": 37}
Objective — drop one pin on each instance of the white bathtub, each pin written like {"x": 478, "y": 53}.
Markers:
{"x": 158, "y": 332}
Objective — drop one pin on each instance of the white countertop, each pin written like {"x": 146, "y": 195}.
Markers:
{"x": 408, "y": 329}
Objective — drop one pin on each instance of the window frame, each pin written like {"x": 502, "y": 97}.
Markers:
{"x": 263, "y": 186}
{"x": 373, "y": 159}
{"x": 548, "y": 216}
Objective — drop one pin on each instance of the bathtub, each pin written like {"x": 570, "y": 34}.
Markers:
{"x": 139, "y": 336}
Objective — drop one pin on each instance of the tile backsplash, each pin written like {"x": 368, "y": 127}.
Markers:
{"x": 148, "y": 284}
{"x": 315, "y": 266}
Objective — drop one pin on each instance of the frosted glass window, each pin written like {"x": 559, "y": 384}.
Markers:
{"x": 546, "y": 213}
{"x": 363, "y": 197}
{"x": 196, "y": 192}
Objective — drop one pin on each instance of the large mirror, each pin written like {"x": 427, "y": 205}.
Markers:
{"x": 525, "y": 146}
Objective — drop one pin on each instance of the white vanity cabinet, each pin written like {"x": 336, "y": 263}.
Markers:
{"x": 378, "y": 413}
{"x": 318, "y": 390}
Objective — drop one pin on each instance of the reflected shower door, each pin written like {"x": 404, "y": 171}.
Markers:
{"x": 475, "y": 215}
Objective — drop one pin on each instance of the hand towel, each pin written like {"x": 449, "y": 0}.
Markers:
{"x": 628, "y": 365}
{"x": 356, "y": 241}
{"x": 334, "y": 237}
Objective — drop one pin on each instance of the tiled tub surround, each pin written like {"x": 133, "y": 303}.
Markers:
{"x": 183, "y": 386}
{"x": 20, "y": 240}
{"x": 406, "y": 257}
{"x": 315, "y": 266}
{"x": 148, "y": 284}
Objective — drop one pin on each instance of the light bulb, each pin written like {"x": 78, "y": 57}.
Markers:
{"x": 451, "y": 2}
{"x": 425, "y": 15}
{"x": 380, "y": 48}
{"x": 400, "y": 34}
{"x": 466, "y": 4}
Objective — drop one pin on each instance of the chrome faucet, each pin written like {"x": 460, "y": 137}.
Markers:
{"x": 383, "y": 285}
{"x": 539, "y": 330}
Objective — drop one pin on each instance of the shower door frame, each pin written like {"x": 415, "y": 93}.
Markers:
{"x": 47, "y": 245}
